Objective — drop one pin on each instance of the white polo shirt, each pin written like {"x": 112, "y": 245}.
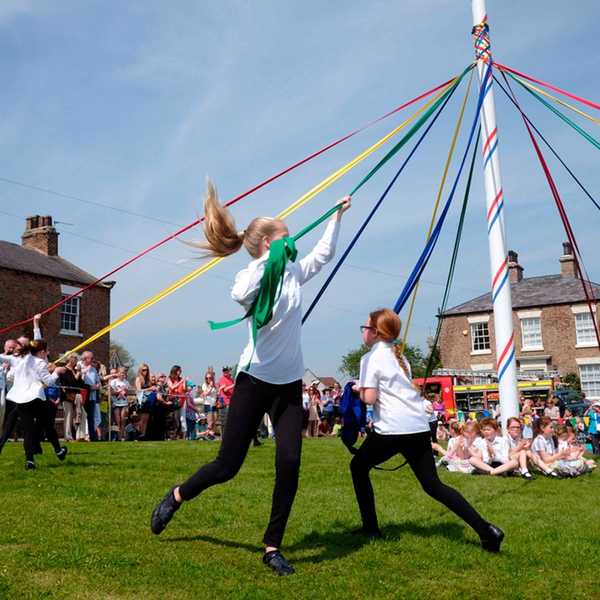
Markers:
{"x": 277, "y": 357}
{"x": 501, "y": 448}
{"x": 399, "y": 408}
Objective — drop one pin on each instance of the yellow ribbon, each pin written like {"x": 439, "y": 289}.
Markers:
{"x": 436, "y": 206}
{"x": 559, "y": 100}
{"x": 282, "y": 215}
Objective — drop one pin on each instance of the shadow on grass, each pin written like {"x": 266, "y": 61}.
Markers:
{"x": 340, "y": 542}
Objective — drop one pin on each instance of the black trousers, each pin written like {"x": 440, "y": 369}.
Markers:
{"x": 44, "y": 413}
{"x": 10, "y": 420}
{"x": 251, "y": 399}
{"x": 416, "y": 448}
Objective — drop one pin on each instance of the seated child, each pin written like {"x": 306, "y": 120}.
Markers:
{"x": 456, "y": 457}
{"x": 544, "y": 448}
{"x": 573, "y": 464}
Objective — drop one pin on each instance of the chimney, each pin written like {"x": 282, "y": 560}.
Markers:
{"x": 40, "y": 235}
{"x": 567, "y": 261}
{"x": 515, "y": 270}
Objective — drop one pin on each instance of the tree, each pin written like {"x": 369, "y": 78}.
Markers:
{"x": 351, "y": 361}
{"x": 572, "y": 380}
{"x": 418, "y": 363}
{"x": 120, "y": 356}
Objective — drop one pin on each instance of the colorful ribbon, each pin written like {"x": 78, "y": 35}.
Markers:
{"x": 548, "y": 85}
{"x": 356, "y": 237}
{"x": 588, "y": 293}
{"x": 551, "y": 148}
{"x": 430, "y": 245}
{"x": 289, "y": 210}
{"x": 590, "y": 138}
{"x": 436, "y": 204}
{"x": 229, "y": 203}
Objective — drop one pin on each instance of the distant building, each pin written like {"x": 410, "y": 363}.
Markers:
{"x": 553, "y": 326}
{"x": 33, "y": 276}
{"x": 324, "y": 383}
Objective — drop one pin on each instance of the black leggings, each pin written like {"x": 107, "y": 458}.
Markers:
{"x": 251, "y": 399}
{"x": 44, "y": 413}
{"x": 10, "y": 421}
{"x": 416, "y": 448}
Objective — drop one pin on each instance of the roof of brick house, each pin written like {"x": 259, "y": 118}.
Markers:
{"x": 531, "y": 292}
{"x": 17, "y": 258}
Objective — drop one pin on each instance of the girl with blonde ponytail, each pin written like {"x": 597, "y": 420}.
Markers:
{"x": 271, "y": 367}
{"x": 400, "y": 426}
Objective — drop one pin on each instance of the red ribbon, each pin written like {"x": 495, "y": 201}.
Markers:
{"x": 590, "y": 298}
{"x": 229, "y": 203}
{"x": 548, "y": 85}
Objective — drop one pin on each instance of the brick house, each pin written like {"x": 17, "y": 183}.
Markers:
{"x": 553, "y": 326}
{"x": 33, "y": 276}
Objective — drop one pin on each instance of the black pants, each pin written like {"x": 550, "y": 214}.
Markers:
{"x": 10, "y": 420}
{"x": 251, "y": 399}
{"x": 416, "y": 448}
{"x": 44, "y": 413}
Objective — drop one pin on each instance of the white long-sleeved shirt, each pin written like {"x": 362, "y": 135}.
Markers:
{"x": 31, "y": 375}
{"x": 277, "y": 357}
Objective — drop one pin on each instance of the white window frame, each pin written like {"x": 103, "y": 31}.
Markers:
{"x": 593, "y": 394}
{"x": 68, "y": 290}
{"x": 473, "y": 323}
{"x": 583, "y": 309}
{"x": 526, "y": 315}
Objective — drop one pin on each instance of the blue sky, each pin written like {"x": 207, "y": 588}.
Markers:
{"x": 132, "y": 104}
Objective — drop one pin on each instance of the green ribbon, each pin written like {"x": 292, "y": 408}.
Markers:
{"x": 591, "y": 139}
{"x": 283, "y": 250}
{"x": 280, "y": 252}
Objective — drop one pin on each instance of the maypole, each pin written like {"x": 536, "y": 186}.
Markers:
{"x": 501, "y": 297}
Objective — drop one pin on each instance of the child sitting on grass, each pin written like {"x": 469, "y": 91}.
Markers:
{"x": 573, "y": 464}
{"x": 455, "y": 457}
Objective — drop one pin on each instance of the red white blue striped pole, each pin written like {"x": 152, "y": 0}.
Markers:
{"x": 501, "y": 297}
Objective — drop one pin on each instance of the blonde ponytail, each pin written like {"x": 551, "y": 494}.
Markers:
{"x": 222, "y": 236}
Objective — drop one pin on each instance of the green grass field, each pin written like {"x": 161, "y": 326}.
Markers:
{"x": 81, "y": 530}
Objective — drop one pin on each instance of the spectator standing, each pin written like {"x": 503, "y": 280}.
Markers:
{"x": 209, "y": 394}
{"x": 119, "y": 388}
{"x": 593, "y": 413}
{"x": 313, "y": 412}
{"x": 146, "y": 397}
{"x": 177, "y": 395}
{"x": 71, "y": 383}
{"x": 91, "y": 378}
{"x": 226, "y": 386}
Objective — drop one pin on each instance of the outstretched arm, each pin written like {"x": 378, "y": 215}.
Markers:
{"x": 324, "y": 251}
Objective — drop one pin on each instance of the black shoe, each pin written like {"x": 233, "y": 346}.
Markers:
{"x": 553, "y": 475}
{"x": 62, "y": 453}
{"x": 372, "y": 534}
{"x": 492, "y": 538}
{"x": 527, "y": 475}
{"x": 276, "y": 561}
{"x": 29, "y": 465}
{"x": 164, "y": 512}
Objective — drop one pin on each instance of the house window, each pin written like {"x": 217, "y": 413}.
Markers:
{"x": 584, "y": 327}
{"x": 590, "y": 380}
{"x": 531, "y": 332}
{"x": 480, "y": 337}
{"x": 69, "y": 316}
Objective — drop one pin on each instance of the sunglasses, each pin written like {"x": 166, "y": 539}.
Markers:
{"x": 364, "y": 328}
